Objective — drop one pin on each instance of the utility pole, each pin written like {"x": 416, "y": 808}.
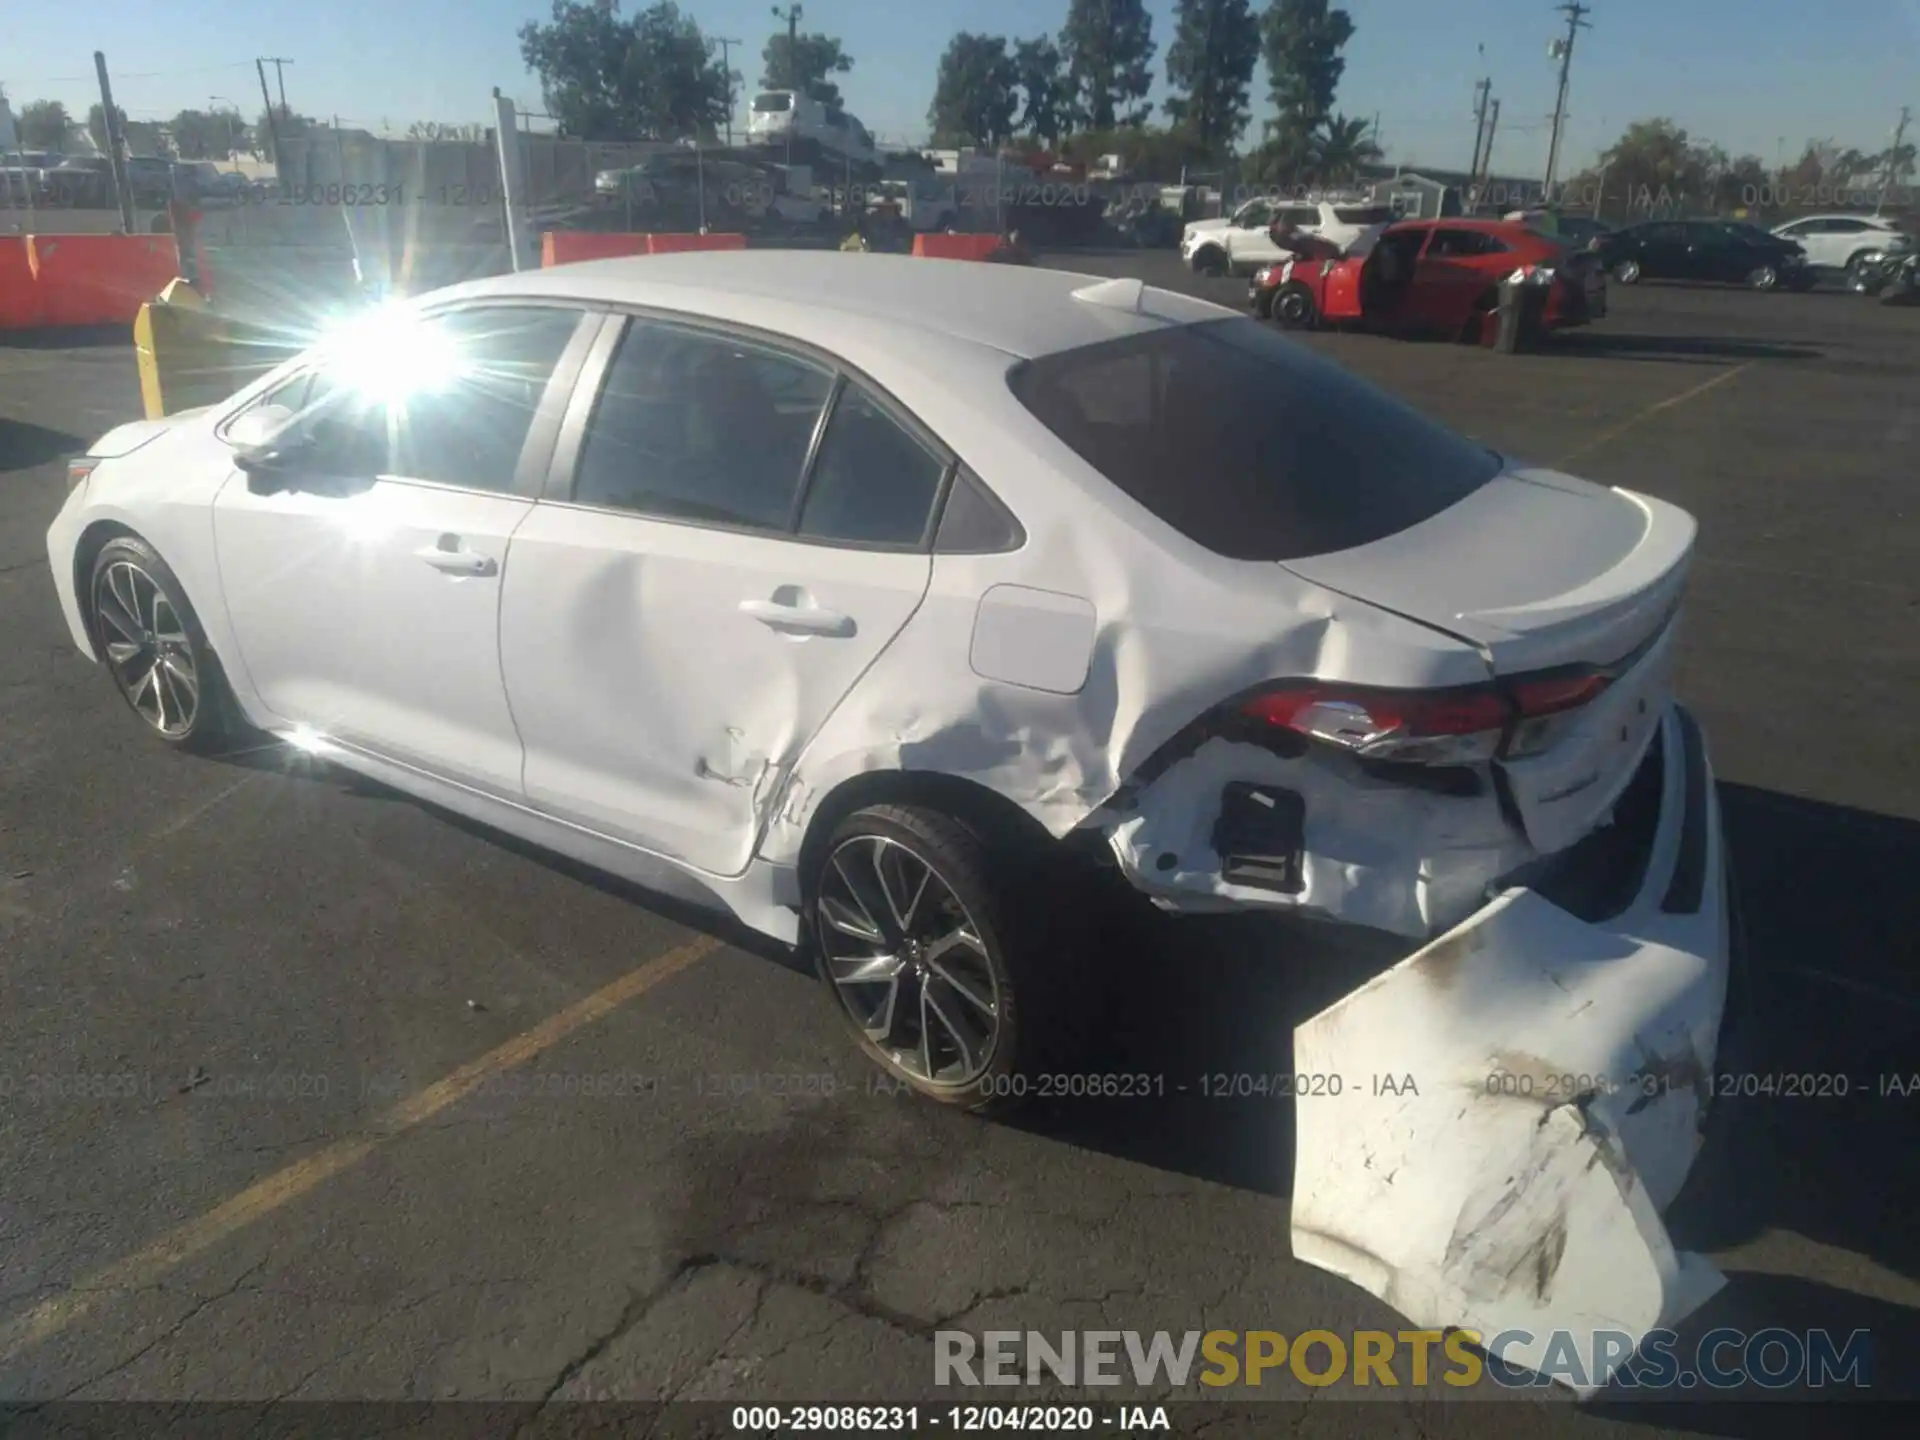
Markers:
{"x": 116, "y": 143}
{"x": 792, "y": 16}
{"x": 279, "y": 63}
{"x": 273, "y": 125}
{"x": 726, "y": 66}
{"x": 1486, "y": 158}
{"x": 1562, "y": 50}
{"x": 1481, "y": 92}
{"x": 1893, "y": 158}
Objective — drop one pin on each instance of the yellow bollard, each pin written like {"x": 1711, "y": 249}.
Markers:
{"x": 188, "y": 355}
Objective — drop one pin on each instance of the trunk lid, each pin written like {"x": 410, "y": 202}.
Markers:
{"x": 1542, "y": 571}
{"x": 1535, "y": 568}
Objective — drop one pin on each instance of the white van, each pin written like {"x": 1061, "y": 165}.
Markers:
{"x": 780, "y": 114}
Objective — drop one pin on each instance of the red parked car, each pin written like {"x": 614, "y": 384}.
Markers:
{"x": 1434, "y": 276}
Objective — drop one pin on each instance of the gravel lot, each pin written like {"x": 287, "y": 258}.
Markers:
{"x": 274, "y": 956}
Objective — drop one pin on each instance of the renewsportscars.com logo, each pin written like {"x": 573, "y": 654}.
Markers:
{"x": 1723, "y": 1359}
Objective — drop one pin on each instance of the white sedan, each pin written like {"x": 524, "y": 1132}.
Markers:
{"x": 850, "y": 594}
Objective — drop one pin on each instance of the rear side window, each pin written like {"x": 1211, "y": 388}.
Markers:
{"x": 692, "y": 426}
{"x": 873, "y": 483}
{"x": 1365, "y": 214}
{"x": 1248, "y": 443}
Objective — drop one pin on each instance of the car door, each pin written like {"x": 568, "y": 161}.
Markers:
{"x": 365, "y": 602}
{"x": 737, "y": 530}
{"x": 1813, "y": 236}
{"x": 1661, "y": 250}
{"x": 1246, "y": 238}
{"x": 1448, "y": 278}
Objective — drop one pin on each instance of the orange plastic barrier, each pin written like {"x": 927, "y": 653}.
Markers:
{"x": 955, "y": 247}
{"x": 674, "y": 244}
{"x": 99, "y": 279}
{"x": 565, "y": 247}
{"x": 20, "y": 307}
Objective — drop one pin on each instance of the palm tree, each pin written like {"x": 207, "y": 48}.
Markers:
{"x": 1341, "y": 147}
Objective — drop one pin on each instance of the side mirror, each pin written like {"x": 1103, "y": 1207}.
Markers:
{"x": 257, "y": 430}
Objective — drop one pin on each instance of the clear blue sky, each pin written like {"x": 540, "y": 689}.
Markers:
{"x": 1749, "y": 74}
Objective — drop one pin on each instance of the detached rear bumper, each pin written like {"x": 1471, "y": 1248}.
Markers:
{"x": 1521, "y": 1099}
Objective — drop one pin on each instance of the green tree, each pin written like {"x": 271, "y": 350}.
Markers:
{"x": 973, "y": 95}
{"x": 803, "y": 64}
{"x": 650, "y": 77}
{"x": 1046, "y": 101}
{"x": 1340, "y": 147}
{"x": 43, "y": 125}
{"x": 97, "y": 124}
{"x": 291, "y": 123}
{"x": 203, "y": 135}
{"x": 1654, "y": 168}
{"x": 1301, "y": 41}
{"x": 1210, "y": 65}
{"x": 1147, "y": 152}
{"x": 1108, "y": 47}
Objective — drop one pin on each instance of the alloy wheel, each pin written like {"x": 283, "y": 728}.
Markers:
{"x": 908, "y": 961}
{"x": 1764, "y": 278}
{"x": 147, "y": 648}
{"x": 1293, "y": 308}
{"x": 1627, "y": 271}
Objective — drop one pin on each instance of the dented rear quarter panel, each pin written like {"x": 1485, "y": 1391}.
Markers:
{"x": 1175, "y": 630}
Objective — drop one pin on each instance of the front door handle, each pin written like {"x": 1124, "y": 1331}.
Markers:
{"x": 456, "y": 561}
{"x": 799, "y": 619}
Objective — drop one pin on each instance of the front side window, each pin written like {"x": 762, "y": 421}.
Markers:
{"x": 446, "y": 398}
{"x": 1250, "y": 444}
{"x": 693, "y": 426}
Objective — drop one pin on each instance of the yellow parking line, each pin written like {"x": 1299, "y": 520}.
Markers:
{"x": 145, "y": 1267}
{"x": 1614, "y": 432}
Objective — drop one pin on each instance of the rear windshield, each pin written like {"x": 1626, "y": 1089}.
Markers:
{"x": 1248, "y": 443}
{"x": 772, "y": 104}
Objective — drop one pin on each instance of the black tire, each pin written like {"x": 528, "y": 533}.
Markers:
{"x": 1210, "y": 260}
{"x": 1293, "y": 308}
{"x": 1028, "y": 948}
{"x": 116, "y": 595}
{"x": 1263, "y": 305}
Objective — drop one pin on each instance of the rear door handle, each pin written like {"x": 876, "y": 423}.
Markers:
{"x": 456, "y": 561}
{"x": 799, "y": 619}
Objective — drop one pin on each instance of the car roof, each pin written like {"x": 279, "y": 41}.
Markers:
{"x": 1023, "y": 311}
{"x": 1885, "y": 222}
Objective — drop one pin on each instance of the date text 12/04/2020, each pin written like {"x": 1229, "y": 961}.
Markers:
{"x": 370, "y": 196}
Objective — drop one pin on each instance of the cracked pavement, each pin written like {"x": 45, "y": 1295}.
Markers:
{"x": 702, "y": 1196}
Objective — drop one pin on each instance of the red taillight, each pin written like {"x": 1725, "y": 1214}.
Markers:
{"x": 1435, "y": 727}
{"x": 1407, "y": 712}
{"x": 1559, "y": 693}
{"x": 1427, "y": 726}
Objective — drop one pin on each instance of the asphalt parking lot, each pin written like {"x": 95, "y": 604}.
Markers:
{"x": 398, "y": 1111}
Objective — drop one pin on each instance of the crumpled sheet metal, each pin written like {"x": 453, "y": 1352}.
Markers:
{"x": 1375, "y": 852}
{"x": 1560, "y": 1076}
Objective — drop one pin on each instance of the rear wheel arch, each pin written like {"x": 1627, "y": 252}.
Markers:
{"x": 989, "y": 814}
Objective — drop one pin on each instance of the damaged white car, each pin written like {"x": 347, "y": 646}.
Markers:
{"x": 838, "y": 591}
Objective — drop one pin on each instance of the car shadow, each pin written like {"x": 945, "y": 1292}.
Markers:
{"x": 24, "y": 445}
{"x": 270, "y": 756}
{"x": 1207, "y": 1005}
{"x": 1605, "y": 344}
{"x": 66, "y": 337}
{"x": 1197, "y": 1032}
